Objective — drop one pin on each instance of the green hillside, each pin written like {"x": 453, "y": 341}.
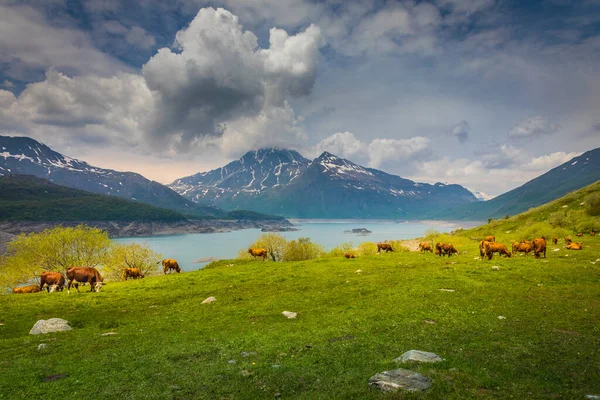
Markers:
{"x": 572, "y": 175}
{"x": 576, "y": 212}
{"x": 27, "y": 198}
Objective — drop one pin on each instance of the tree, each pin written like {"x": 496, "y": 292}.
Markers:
{"x": 132, "y": 255}
{"x": 273, "y": 242}
{"x": 55, "y": 249}
{"x": 302, "y": 249}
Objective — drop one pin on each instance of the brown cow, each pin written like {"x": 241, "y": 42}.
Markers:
{"x": 521, "y": 248}
{"x": 442, "y": 249}
{"x": 539, "y": 246}
{"x": 169, "y": 264}
{"x": 592, "y": 233}
{"x": 491, "y": 248}
{"x": 568, "y": 240}
{"x": 54, "y": 280}
{"x": 84, "y": 275}
{"x": 349, "y": 255}
{"x": 26, "y": 289}
{"x": 490, "y": 239}
{"x": 579, "y": 234}
{"x": 134, "y": 273}
{"x": 258, "y": 252}
{"x": 384, "y": 246}
{"x": 424, "y": 246}
{"x": 554, "y": 240}
{"x": 482, "y": 247}
{"x": 575, "y": 246}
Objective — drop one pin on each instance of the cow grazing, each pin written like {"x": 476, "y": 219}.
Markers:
{"x": 539, "y": 247}
{"x": 258, "y": 252}
{"x": 442, "y": 249}
{"x": 134, "y": 273}
{"x": 77, "y": 275}
{"x": 491, "y": 248}
{"x": 521, "y": 248}
{"x": 491, "y": 239}
{"x": 568, "y": 240}
{"x": 592, "y": 233}
{"x": 579, "y": 234}
{"x": 482, "y": 247}
{"x": 424, "y": 246}
{"x": 384, "y": 246}
{"x": 575, "y": 246}
{"x": 53, "y": 280}
{"x": 349, "y": 255}
{"x": 554, "y": 240}
{"x": 169, "y": 264}
{"x": 26, "y": 289}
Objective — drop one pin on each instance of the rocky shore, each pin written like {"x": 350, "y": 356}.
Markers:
{"x": 139, "y": 228}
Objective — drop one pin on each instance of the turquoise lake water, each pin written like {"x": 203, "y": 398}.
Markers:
{"x": 187, "y": 248}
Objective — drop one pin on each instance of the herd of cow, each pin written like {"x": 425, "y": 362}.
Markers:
{"x": 55, "y": 281}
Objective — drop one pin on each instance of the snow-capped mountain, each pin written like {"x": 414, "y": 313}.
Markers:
{"x": 481, "y": 196}
{"x": 329, "y": 186}
{"x": 252, "y": 174}
{"x": 23, "y": 155}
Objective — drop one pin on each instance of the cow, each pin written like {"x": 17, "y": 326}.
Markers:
{"x": 134, "y": 273}
{"x": 491, "y": 248}
{"x": 554, "y": 240}
{"x": 539, "y": 246}
{"x": 169, "y": 264}
{"x": 568, "y": 240}
{"x": 424, "y": 246}
{"x": 77, "y": 275}
{"x": 579, "y": 234}
{"x": 575, "y": 246}
{"x": 384, "y": 246}
{"x": 442, "y": 249}
{"x": 26, "y": 289}
{"x": 258, "y": 252}
{"x": 53, "y": 280}
{"x": 349, "y": 255}
{"x": 490, "y": 239}
{"x": 482, "y": 247}
{"x": 521, "y": 248}
{"x": 592, "y": 233}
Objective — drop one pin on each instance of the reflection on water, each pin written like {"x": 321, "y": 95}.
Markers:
{"x": 187, "y": 249}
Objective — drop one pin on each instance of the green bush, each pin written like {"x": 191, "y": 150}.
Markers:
{"x": 302, "y": 249}
{"x": 342, "y": 249}
{"x": 367, "y": 249}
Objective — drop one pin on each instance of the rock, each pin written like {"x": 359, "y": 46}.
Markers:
{"x": 496, "y": 268}
{"x": 232, "y": 361}
{"x": 44, "y": 326}
{"x": 429, "y": 321}
{"x": 420, "y": 356}
{"x": 42, "y": 346}
{"x": 109, "y": 334}
{"x": 501, "y": 317}
{"x": 358, "y": 271}
{"x": 290, "y": 314}
{"x": 209, "y": 300}
{"x": 248, "y": 353}
{"x": 392, "y": 381}
{"x": 592, "y": 396}
{"x": 446, "y": 290}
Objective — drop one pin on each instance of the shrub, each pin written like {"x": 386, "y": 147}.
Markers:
{"x": 593, "y": 204}
{"x": 342, "y": 249}
{"x": 273, "y": 242}
{"x": 398, "y": 246}
{"x": 132, "y": 255}
{"x": 367, "y": 249}
{"x": 302, "y": 249}
{"x": 558, "y": 219}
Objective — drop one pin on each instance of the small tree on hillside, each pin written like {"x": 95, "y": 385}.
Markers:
{"x": 55, "y": 249}
{"x": 302, "y": 249}
{"x": 273, "y": 242}
{"x": 132, "y": 255}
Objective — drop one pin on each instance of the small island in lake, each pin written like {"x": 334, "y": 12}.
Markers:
{"x": 359, "y": 231}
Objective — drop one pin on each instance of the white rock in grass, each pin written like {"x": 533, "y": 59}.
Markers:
{"x": 592, "y": 396}
{"x": 446, "y": 290}
{"x": 44, "y": 326}
{"x": 289, "y": 314}
{"x": 556, "y": 250}
{"x": 501, "y": 317}
{"x": 496, "y": 268}
{"x": 42, "y": 346}
{"x": 420, "y": 356}
{"x": 109, "y": 334}
{"x": 392, "y": 381}
{"x": 209, "y": 300}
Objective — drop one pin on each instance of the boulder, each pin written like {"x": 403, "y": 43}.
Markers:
{"x": 399, "y": 379}
{"x": 290, "y": 314}
{"x": 44, "y": 326}
{"x": 209, "y": 300}
{"x": 420, "y": 356}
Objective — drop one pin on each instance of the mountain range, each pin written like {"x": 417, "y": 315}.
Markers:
{"x": 285, "y": 183}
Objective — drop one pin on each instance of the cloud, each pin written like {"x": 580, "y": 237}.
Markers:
{"x": 461, "y": 131}
{"x": 399, "y": 150}
{"x": 343, "y": 144}
{"x": 532, "y": 127}
{"x": 220, "y": 76}
{"x": 7, "y": 84}
{"x": 29, "y": 45}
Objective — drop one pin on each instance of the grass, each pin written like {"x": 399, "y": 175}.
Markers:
{"x": 350, "y": 326}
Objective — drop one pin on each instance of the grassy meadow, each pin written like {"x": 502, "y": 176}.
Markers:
{"x": 350, "y": 325}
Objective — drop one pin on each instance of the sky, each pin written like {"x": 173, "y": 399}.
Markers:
{"x": 484, "y": 93}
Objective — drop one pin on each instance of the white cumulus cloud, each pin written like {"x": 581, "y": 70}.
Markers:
{"x": 533, "y": 126}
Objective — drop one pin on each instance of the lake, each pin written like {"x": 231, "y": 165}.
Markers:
{"x": 187, "y": 248}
